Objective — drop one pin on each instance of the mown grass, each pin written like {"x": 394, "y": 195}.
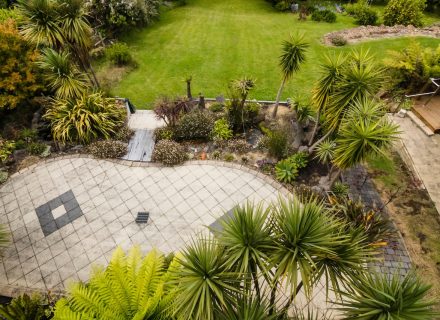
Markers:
{"x": 216, "y": 41}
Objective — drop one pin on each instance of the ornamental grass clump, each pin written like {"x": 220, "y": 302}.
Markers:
{"x": 169, "y": 153}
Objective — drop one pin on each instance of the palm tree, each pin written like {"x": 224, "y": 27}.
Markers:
{"x": 325, "y": 87}
{"x": 379, "y": 296}
{"x": 293, "y": 54}
{"x": 131, "y": 287}
{"x": 62, "y": 75}
{"x": 205, "y": 285}
{"x": 363, "y": 134}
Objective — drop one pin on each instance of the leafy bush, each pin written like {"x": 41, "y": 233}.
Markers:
{"x": 119, "y": 54}
{"x": 242, "y": 115}
{"x": 169, "y": 153}
{"x": 19, "y": 77}
{"x": 411, "y": 68}
{"x": 163, "y": 133}
{"x": 124, "y": 133}
{"x": 299, "y": 160}
{"x": 108, "y": 149}
{"x": 171, "y": 110}
{"x": 221, "y": 130}
{"x": 404, "y": 12}
{"x": 7, "y": 147}
{"x": 324, "y": 15}
{"x": 3, "y": 176}
{"x": 283, "y": 5}
{"x": 28, "y": 135}
{"x": 239, "y": 146}
{"x": 217, "y": 107}
{"x": 86, "y": 119}
{"x": 286, "y": 171}
{"x": 338, "y": 40}
{"x": 363, "y": 13}
{"x": 36, "y": 148}
{"x": 115, "y": 16}
{"x": 27, "y": 307}
{"x": 196, "y": 125}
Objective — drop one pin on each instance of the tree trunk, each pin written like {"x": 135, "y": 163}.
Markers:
{"x": 277, "y": 101}
{"x": 299, "y": 135}
{"x": 313, "y": 147}
{"x": 315, "y": 128}
{"x": 201, "y": 102}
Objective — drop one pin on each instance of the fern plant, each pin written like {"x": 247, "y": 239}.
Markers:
{"x": 286, "y": 171}
{"x": 131, "y": 287}
{"x": 26, "y": 307}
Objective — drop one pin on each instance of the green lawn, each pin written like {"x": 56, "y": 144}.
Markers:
{"x": 216, "y": 41}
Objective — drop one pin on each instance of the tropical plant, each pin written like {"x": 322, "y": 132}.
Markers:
{"x": 293, "y": 55}
{"x": 286, "y": 171}
{"x": 62, "y": 74}
{"x": 171, "y": 110}
{"x": 325, "y": 151}
{"x": 205, "y": 284}
{"x": 221, "y": 130}
{"x": 19, "y": 80}
{"x": 239, "y": 114}
{"x": 411, "y": 68}
{"x": 404, "y": 12}
{"x": 340, "y": 189}
{"x": 379, "y": 296}
{"x": 90, "y": 117}
{"x": 168, "y": 152}
{"x": 131, "y": 287}
{"x": 299, "y": 159}
{"x": 27, "y": 307}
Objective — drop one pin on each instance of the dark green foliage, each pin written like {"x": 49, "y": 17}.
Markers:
{"x": 340, "y": 189}
{"x": 277, "y": 142}
{"x": 196, "y": 125}
{"x": 338, "y": 41}
{"x": 36, "y": 148}
{"x": 286, "y": 171}
{"x": 217, "y": 107}
{"x": 119, "y": 54}
{"x": 27, "y": 307}
{"x": 324, "y": 15}
{"x": 299, "y": 160}
{"x": 108, "y": 149}
{"x": 363, "y": 13}
{"x": 404, "y": 12}
{"x": 169, "y": 153}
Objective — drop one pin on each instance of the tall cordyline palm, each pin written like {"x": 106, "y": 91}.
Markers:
{"x": 62, "y": 74}
{"x": 205, "y": 285}
{"x": 331, "y": 70}
{"x": 293, "y": 55}
{"x": 131, "y": 287}
{"x": 379, "y": 296}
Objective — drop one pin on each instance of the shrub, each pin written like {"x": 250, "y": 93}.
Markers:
{"x": 171, "y": 110}
{"x": 283, "y": 5}
{"x": 340, "y": 189}
{"x": 196, "y": 125}
{"x": 33, "y": 307}
{"x": 108, "y": 149}
{"x": 324, "y": 15}
{"x": 299, "y": 160}
{"x": 169, "y": 153}
{"x": 363, "y": 13}
{"x": 404, "y": 12}
{"x": 221, "y": 130}
{"x": 228, "y": 157}
{"x": 277, "y": 143}
{"x": 119, "y": 54}
{"x": 7, "y": 147}
{"x": 19, "y": 78}
{"x": 163, "y": 133}
{"x": 217, "y": 107}
{"x": 3, "y": 176}
{"x": 412, "y": 67}
{"x": 239, "y": 146}
{"x": 338, "y": 40}
{"x": 286, "y": 171}
{"x": 28, "y": 135}
{"x": 241, "y": 115}
{"x": 216, "y": 155}
{"x": 36, "y": 148}
{"x": 124, "y": 133}
{"x": 86, "y": 119}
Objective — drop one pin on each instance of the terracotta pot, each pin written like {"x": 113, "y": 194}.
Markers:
{"x": 203, "y": 156}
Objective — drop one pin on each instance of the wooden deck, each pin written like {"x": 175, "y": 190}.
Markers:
{"x": 429, "y": 114}
{"x": 141, "y": 145}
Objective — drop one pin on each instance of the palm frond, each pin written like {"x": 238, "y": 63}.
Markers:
{"x": 293, "y": 54}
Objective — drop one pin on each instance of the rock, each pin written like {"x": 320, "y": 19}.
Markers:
{"x": 402, "y": 113}
{"x": 46, "y": 152}
{"x": 77, "y": 148}
{"x": 303, "y": 149}
{"x": 19, "y": 153}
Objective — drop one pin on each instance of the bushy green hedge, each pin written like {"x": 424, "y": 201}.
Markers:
{"x": 363, "y": 13}
{"x": 196, "y": 125}
{"x": 324, "y": 15}
{"x": 404, "y": 12}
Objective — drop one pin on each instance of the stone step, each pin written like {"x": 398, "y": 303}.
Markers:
{"x": 418, "y": 122}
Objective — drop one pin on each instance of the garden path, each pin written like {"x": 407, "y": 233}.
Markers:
{"x": 141, "y": 145}
{"x": 68, "y": 213}
{"x": 424, "y": 154}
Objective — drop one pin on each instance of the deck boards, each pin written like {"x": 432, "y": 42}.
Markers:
{"x": 429, "y": 114}
{"x": 140, "y": 147}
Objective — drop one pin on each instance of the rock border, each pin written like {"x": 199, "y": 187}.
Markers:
{"x": 368, "y": 33}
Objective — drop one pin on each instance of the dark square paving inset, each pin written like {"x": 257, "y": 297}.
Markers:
{"x": 48, "y": 223}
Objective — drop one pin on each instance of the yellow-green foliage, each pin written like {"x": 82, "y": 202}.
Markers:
{"x": 131, "y": 287}
{"x": 412, "y": 67}
{"x": 83, "y": 120}
{"x": 404, "y": 12}
{"x": 18, "y": 80}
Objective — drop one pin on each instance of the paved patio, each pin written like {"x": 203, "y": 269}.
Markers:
{"x": 67, "y": 214}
